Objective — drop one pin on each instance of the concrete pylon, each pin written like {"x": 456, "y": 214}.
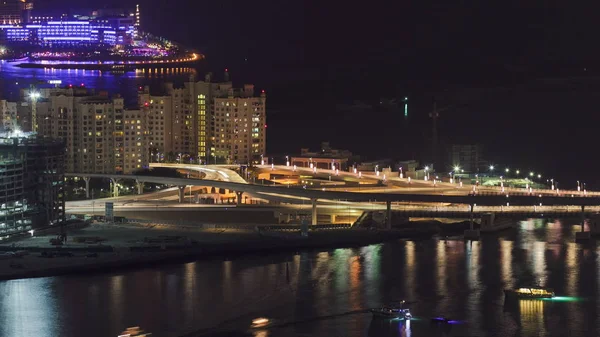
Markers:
{"x": 140, "y": 187}
{"x": 314, "y": 211}
{"x": 472, "y": 234}
{"x": 87, "y": 187}
{"x": 181, "y": 193}
{"x": 115, "y": 183}
{"x": 388, "y": 215}
{"x": 582, "y": 218}
{"x": 239, "y": 197}
{"x": 583, "y": 235}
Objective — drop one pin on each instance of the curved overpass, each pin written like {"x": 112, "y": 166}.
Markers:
{"x": 265, "y": 191}
{"x": 211, "y": 172}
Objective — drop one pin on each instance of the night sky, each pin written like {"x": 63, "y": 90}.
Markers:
{"x": 520, "y": 77}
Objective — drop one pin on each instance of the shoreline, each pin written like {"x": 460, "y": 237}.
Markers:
{"x": 119, "y": 259}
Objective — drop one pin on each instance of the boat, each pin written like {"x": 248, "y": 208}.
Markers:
{"x": 444, "y": 320}
{"x": 134, "y": 332}
{"x": 261, "y": 322}
{"x": 392, "y": 312}
{"x": 529, "y": 293}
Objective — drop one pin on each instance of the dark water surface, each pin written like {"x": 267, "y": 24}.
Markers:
{"x": 325, "y": 293}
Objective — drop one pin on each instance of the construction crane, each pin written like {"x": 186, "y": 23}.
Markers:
{"x": 435, "y": 114}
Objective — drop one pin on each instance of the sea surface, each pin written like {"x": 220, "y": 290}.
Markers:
{"x": 327, "y": 293}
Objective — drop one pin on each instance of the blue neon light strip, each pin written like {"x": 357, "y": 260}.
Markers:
{"x": 68, "y": 22}
{"x": 67, "y": 38}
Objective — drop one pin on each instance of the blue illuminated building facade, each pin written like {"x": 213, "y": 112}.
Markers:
{"x": 93, "y": 31}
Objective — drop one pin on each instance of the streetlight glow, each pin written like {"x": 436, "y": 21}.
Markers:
{"x": 491, "y": 167}
{"x": 457, "y": 168}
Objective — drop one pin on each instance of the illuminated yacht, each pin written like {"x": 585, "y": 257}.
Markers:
{"x": 261, "y": 322}
{"x": 531, "y": 293}
{"x": 392, "y": 311}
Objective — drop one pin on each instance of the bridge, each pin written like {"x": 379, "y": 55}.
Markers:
{"x": 492, "y": 202}
{"x": 439, "y": 186}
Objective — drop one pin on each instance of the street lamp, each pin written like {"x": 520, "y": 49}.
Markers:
{"x": 531, "y": 174}
{"x": 507, "y": 170}
{"x": 426, "y": 172}
{"x": 518, "y": 172}
{"x": 287, "y": 161}
{"x": 578, "y": 186}
{"x": 34, "y": 95}
{"x": 491, "y": 168}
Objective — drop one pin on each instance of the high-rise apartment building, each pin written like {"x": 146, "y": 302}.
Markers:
{"x": 100, "y": 134}
{"x": 207, "y": 122}
{"x": 201, "y": 122}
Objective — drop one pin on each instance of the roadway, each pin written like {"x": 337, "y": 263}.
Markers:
{"x": 395, "y": 184}
{"x": 211, "y": 172}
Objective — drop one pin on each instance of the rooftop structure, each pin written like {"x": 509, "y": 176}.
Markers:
{"x": 327, "y": 158}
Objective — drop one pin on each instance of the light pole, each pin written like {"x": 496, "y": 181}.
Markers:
{"x": 578, "y": 186}
{"x": 456, "y": 169}
{"x": 34, "y": 95}
{"x": 490, "y": 174}
{"x": 426, "y": 172}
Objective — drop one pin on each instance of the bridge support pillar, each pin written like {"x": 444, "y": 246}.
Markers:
{"x": 115, "y": 183}
{"x": 239, "y": 197}
{"x": 140, "y": 187}
{"x": 595, "y": 225}
{"x": 388, "y": 215}
{"x": 472, "y": 233}
{"x": 87, "y": 187}
{"x": 583, "y": 235}
{"x": 314, "y": 211}
{"x": 333, "y": 218}
{"x": 181, "y": 193}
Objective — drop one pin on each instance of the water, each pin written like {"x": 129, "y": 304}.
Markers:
{"x": 326, "y": 293}
{"x": 13, "y": 78}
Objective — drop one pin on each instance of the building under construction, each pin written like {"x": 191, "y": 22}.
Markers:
{"x": 31, "y": 182}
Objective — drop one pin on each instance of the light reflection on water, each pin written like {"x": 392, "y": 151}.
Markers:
{"x": 451, "y": 278}
{"x": 13, "y": 78}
